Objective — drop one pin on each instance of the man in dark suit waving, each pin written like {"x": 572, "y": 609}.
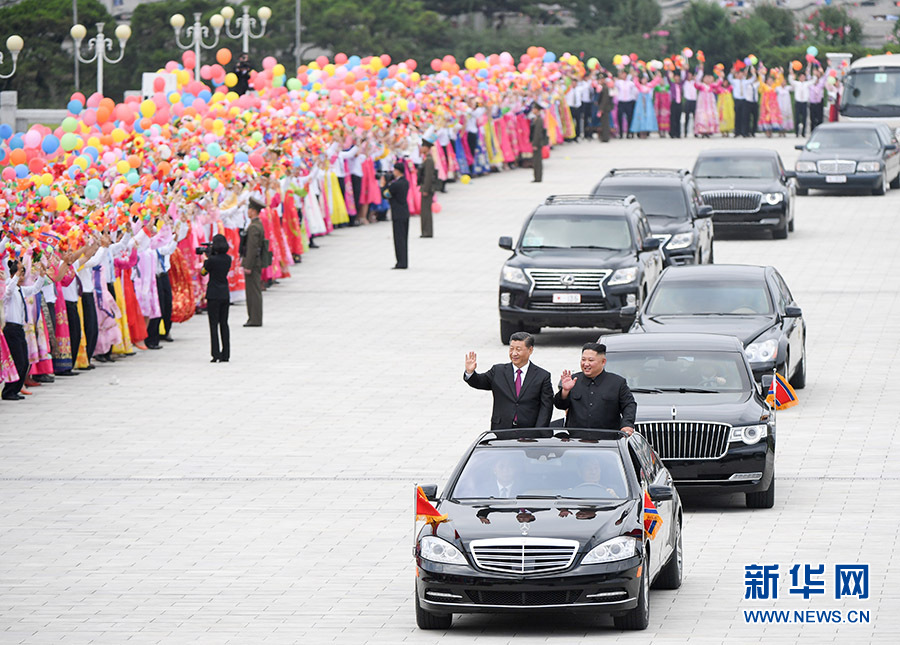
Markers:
{"x": 595, "y": 398}
{"x": 523, "y": 394}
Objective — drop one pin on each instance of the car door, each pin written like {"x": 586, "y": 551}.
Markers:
{"x": 704, "y": 224}
{"x": 652, "y": 259}
{"x": 653, "y": 473}
{"x": 792, "y": 327}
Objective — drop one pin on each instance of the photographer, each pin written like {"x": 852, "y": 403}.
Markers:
{"x": 242, "y": 70}
{"x": 216, "y": 266}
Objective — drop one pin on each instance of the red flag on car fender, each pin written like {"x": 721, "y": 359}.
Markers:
{"x": 425, "y": 510}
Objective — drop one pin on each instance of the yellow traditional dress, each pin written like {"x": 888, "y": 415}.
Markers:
{"x": 726, "y": 112}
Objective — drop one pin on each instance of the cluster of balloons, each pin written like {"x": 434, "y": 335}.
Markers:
{"x": 107, "y": 162}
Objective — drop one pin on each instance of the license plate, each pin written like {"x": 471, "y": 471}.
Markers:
{"x": 566, "y": 298}
{"x": 835, "y": 179}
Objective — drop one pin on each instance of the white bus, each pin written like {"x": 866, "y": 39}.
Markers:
{"x": 872, "y": 91}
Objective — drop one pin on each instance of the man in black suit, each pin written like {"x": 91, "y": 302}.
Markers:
{"x": 523, "y": 394}
{"x": 595, "y": 398}
{"x": 396, "y": 192}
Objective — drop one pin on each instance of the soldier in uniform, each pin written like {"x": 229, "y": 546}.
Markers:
{"x": 252, "y": 263}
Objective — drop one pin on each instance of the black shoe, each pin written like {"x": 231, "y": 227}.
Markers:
{"x": 535, "y": 181}
{"x": 214, "y": 360}
{"x": 12, "y": 397}
{"x": 44, "y": 378}
{"x": 168, "y": 339}
{"x": 426, "y": 236}
{"x": 246, "y": 324}
{"x": 67, "y": 373}
{"x": 102, "y": 358}
{"x": 223, "y": 360}
{"x": 149, "y": 346}
{"x": 397, "y": 267}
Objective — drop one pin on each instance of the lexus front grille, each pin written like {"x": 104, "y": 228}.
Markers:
{"x": 686, "y": 439}
{"x": 563, "y": 279}
{"x": 523, "y": 555}
{"x": 733, "y": 201}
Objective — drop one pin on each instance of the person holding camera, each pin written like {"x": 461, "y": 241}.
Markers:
{"x": 252, "y": 262}
{"x": 217, "y": 265}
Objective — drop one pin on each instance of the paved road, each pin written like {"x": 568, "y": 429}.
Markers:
{"x": 167, "y": 499}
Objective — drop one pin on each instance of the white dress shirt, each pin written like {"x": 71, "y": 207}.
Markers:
{"x": 14, "y": 298}
{"x": 85, "y": 271}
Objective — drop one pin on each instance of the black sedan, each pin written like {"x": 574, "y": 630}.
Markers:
{"x": 750, "y": 302}
{"x": 699, "y": 407}
{"x": 849, "y": 155}
{"x": 550, "y": 520}
{"x": 747, "y": 189}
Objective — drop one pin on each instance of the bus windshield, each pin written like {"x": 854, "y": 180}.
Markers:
{"x": 871, "y": 92}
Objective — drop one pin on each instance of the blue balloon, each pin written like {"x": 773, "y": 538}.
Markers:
{"x": 91, "y": 192}
{"x": 456, "y": 80}
{"x": 92, "y": 152}
{"x": 2, "y": 155}
{"x": 187, "y": 98}
{"x": 382, "y": 73}
{"x": 353, "y": 61}
{"x": 16, "y": 142}
{"x": 75, "y": 107}
{"x": 5, "y": 131}
{"x": 241, "y": 157}
{"x": 549, "y": 57}
{"x": 21, "y": 171}
{"x": 482, "y": 73}
{"x": 50, "y": 144}
{"x": 205, "y": 95}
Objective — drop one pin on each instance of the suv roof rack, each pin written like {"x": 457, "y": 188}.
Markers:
{"x": 589, "y": 199}
{"x": 527, "y": 434}
{"x": 681, "y": 172}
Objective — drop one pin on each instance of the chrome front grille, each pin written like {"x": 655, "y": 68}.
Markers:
{"x": 523, "y": 555}
{"x": 686, "y": 439}
{"x": 836, "y": 167}
{"x": 733, "y": 201}
{"x": 575, "y": 307}
{"x": 562, "y": 279}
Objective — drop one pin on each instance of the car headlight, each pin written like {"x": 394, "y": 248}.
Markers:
{"x": 868, "y": 166}
{"x": 774, "y": 198}
{"x": 514, "y": 275}
{"x": 762, "y": 352}
{"x": 680, "y": 241}
{"x": 805, "y": 166}
{"x": 438, "y": 550}
{"x": 749, "y": 434}
{"x": 623, "y": 276}
{"x": 618, "y": 548}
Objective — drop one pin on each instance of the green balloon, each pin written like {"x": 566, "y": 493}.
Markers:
{"x": 193, "y": 164}
{"x": 132, "y": 177}
{"x": 43, "y": 191}
{"x": 294, "y": 84}
{"x": 256, "y": 136}
{"x": 69, "y": 141}
{"x": 69, "y": 124}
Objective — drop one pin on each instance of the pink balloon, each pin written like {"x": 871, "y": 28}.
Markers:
{"x": 205, "y": 72}
{"x": 89, "y": 117}
{"x": 171, "y": 66}
{"x": 188, "y": 59}
{"x": 256, "y": 160}
{"x": 32, "y": 139}
{"x": 9, "y": 173}
{"x": 336, "y": 97}
{"x": 269, "y": 62}
{"x": 94, "y": 100}
{"x": 385, "y": 60}
{"x": 78, "y": 96}
{"x": 340, "y": 59}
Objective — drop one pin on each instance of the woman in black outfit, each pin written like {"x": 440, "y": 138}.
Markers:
{"x": 217, "y": 266}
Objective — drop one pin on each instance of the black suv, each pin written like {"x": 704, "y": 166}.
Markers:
{"x": 673, "y": 206}
{"x": 579, "y": 260}
{"x": 747, "y": 188}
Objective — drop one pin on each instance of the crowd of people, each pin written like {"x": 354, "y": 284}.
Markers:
{"x": 132, "y": 217}
{"x": 676, "y": 98}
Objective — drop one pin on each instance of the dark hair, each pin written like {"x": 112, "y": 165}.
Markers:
{"x": 219, "y": 244}
{"x": 600, "y": 348}
{"x": 524, "y": 336}
{"x": 399, "y": 166}
{"x": 13, "y": 266}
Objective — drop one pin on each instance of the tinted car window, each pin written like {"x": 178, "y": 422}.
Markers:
{"x": 676, "y": 369}
{"x": 642, "y": 451}
{"x": 738, "y": 167}
{"x": 843, "y": 139}
{"x": 655, "y": 200}
{"x": 572, "y": 231}
{"x": 722, "y": 297}
{"x": 579, "y": 473}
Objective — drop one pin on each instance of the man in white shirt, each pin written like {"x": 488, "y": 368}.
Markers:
{"x": 801, "y": 102}
{"x": 85, "y": 277}
{"x": 736, "y": 78}
{"x": 14, "y": 294}
{"x": 690, "y": 101}
{"x": 627, "y": 94}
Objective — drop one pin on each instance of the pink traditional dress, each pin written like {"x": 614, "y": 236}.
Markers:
{"x": 62, "y": 361}
{"x": 8, "y": 373}
{"x": 37, "y": 338}
{"x": 706, "y": 118}
{"x": 769, "y": 112}
{"x": 662, "y": 104}
{"x": 108, "y": 313}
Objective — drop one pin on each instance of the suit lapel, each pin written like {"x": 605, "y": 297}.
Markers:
{"x": 508, "y": 372}
{"x": 530, "y": 376}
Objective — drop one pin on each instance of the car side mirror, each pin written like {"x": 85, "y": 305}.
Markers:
{"x": 505, "y": 243}
{"x": 628, "y": 311}
{"x": 791, "y": 311}
{"x": 790, "y": 174}
{"x": 660, "y": 493}
{"x": 650, "y": 243}
{"x": 891, "y": 146}
{"x": 800, "y": 146}
{"x": 430, "y": 491}
{"x": 704, "y": 211}
{"x": 767, "y": 380}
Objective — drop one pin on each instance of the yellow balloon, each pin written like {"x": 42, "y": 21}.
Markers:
{"x": 386, "y": 108}
{"x": 313, "y": 65}
{"x": 304, "y": 107}
{"x": 376, "y": 63}
{"x": 231, "y": 79}
{"x": 119, "y": 135}
{"x": 232, "y": 96}
{"x": 203, "y": 156}
{"x": 414, "y": 77}
{"x": 122, "y": 167}
{"x": 226, "y": 159}
{"x": 465, "y": 179}
{"x": 62, "y": 203}
{"x": 94, "y": 141}
{"x": 278, "y": 70}
{"x": 402, "y": 104}
{"x": 81, "y": 162}
{"x": 148, "y": 108}
{"x": 328, "y": 69}
{"x": 45, "y": 179}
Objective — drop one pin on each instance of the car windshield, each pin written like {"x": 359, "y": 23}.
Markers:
{"x": 574, "y": 231}
{"x": 871, "y": 93}
{"x": 667, "y": 201}
{"x": 687, "y": 370}
{"x": 844, "y": 139}
{"x": 543, "y": 472}
{"x": 724, "y": 167}
{"x": 722, "y": 297}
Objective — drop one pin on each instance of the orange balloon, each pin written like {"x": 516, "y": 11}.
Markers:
{"x": 17, "y": 157}
{"x": 223, "y": 56}
{"x": 103, "y": 115}
{"x": 134, "y": 161}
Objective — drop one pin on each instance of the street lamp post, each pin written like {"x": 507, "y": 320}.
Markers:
{"x": 14, "y": 44}
{"x": 100, "y": 44}
{"x": 197, "y": 32}
{"x": 245, "y": 23}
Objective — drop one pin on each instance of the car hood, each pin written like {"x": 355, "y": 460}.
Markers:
{"x": 855, "y": 155}
{"x": 765, "y": 185}
{"x": 598, "y": 521}
{"x": 735, "y": 408}
{"x": 669, "y": 225}
{"x": 746, "y": 328}
{"x": 573, "y": 259}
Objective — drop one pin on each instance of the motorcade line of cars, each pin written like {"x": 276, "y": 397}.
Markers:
{"x": 567, "y": 532}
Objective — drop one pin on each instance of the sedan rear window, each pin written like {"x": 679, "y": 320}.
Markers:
{"x": 720, "y": 297}
{"x": 735, "y": 167}
{"x": 674, "y": 371}
{"x": 566, "y": 473}
{"x": 577, "y": 231}
{"x": 667, "y": 201}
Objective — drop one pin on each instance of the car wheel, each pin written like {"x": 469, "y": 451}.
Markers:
{"x": 781, "y": 233}
{"x": 427, "y": 620}
{"x": 895, "y": 182}
{"x": 881, "y": 190}
{"x": 802, "y": 191}
{"x": 670, "y": 576}
{"x": 639, "y": 617}
{"x": 507, "y": 329}
{"x": 710, "y": 259}
{"x": 798, "y": 381}
{"x": 765, "y": 499}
